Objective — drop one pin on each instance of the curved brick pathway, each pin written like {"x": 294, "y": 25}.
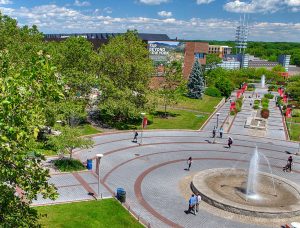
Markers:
{"x": 152, "y": 172}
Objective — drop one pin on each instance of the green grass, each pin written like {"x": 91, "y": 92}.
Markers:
{"x": 206, "y": 104}
{"x": 69, "y": 165}
{"x": 294, "y": 131}
{"x": 179, "y": 120}
{"x": 103, "y": 213}
{"x": 88, "y": 129}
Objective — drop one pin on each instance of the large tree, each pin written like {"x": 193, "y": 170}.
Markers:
{"x": 125, "y": 69}
{"x": 24, "y": 95}
{"x": 196, "y": 81}
{"x": 173, "y": 79}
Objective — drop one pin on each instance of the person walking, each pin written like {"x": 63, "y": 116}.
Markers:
{"x": 221, "y": 132}
{"x": 192, "y": 204}
{"x": 290, "y": 162}
{"x": 214, "y": 133}
{"x": 229, "y": 142}
{"x": 135, "y": 137}
{"x": 198, "y": 202}
{"x": 189, "y": 162}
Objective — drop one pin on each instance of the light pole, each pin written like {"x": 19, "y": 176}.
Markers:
{"x": 218, "y": 119}
{"x": 143, "y": 115}
{"x": 216, "y": 128}
{"x": 98, "y": 158}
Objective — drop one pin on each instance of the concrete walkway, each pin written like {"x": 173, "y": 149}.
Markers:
{"x": 153, "y": 174}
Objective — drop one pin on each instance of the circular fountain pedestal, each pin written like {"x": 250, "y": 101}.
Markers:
{"x": 226, "y": 189}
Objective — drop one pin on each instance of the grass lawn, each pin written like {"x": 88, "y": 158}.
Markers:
{"x": 206, "y": 104}
{"x": 103, "y": 213}
{"x": 294, "y": 129}
{"x": 179, "y": 120}
{"x": 88, "y": 129}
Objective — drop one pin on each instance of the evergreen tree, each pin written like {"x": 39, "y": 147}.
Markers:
{"x": 196, "y": 81}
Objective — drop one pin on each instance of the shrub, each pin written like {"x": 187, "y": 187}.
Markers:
{"x": 269, "y": 96}
{"x": 265, "y": 105}
{"x": 239, "y": 101}
{"x": 265, "y": 100}
{"x": 272, "y": 87}
{"x": 213, "y": 92}
{"x": 256, "y": 106}
{"x": 232, "y": 112}
{"x": 68, "y": 165}
{"x": 265, "y": 113}
{"x": 256, "y": 102}
{"x": 251, "y": 86}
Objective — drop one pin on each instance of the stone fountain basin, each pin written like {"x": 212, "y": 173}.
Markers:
{"x": 225, "y": 188}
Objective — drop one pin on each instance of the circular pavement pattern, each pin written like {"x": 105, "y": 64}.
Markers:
{"x": 157, "y": 184}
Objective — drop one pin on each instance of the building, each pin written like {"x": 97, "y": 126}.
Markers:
{"x": 194, "y": 50}
{"x": 98, "y": 39}
{"x": 219, "y": 50}
{"x": 284, "y": 60}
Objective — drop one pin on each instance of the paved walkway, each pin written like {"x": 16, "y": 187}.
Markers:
{"x": 153, "y": 173}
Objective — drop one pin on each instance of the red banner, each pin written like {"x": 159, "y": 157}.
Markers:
{"x": 145, "y": 122}
{"x": 285, "y": 98}
{"x": 288, "y": 113}
{"x": 232, "y": 106}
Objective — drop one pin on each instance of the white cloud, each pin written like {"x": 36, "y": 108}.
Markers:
{"x": 292, "y": 2}
{"x": 83, "y": 3}
{"x": 260, "y": 6}
{"x": 164, "y": 14}
{"x": 107, "y": 10}
{"x": 57, "y": 19}
{"x": 5, "y": 2}
{"x": 199, "y": 2}
{"x": 153, "y": 2}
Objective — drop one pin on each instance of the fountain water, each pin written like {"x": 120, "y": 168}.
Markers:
{"x": 249, "y": 191}
{"x": 253, "y": 174}
{"x": 263, "y": 79}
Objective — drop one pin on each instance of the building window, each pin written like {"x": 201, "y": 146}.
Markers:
{"x": 199, "y": 55}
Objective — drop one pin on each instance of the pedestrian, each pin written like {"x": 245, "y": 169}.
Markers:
{"x": 198, "y": 202}
{"x": 221, "y": 132}
{"x": 189, "y": 162}
{"x": 290, "y": 162}
{"x": 214, "y": 133}
{"x": 192, "y": 204}
{"x": 135, "y": 137}
{"x": 229, "y": 142}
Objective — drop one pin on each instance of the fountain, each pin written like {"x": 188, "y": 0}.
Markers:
{"x": 263, "y": 79}
{"x": 249, "y": 191}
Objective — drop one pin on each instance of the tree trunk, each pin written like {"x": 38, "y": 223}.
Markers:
{"x": 71, "y": 153}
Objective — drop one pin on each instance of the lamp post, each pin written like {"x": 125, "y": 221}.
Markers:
{"x": 143, "y": 115}
{"x": 218, "y": 119}
{"x": 98, "y": 159}
{"x": 216, "y": 128}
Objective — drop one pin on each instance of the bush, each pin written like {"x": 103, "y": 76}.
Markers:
{"x": 232, "y": 112}
{"x": 256, "y": 106}
{"x": 265, "y": 100}
{"x": 272, "y": 87}
{"x": 213, "y": 92}
{"x": 265, "y": 105}
{"x": 257, "y": 102}
{"x": 251, "y": 86}
{"x": 269, "y": 96}
{"x": 68, "y": 165}
{"x": 265, "y": 113}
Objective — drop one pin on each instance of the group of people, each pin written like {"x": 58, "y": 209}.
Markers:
{"x": 221, "y": 131}
{"x": 229, "y": 142}
{"x": 194, "y": 202}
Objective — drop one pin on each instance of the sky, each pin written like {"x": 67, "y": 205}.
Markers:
{"x": 269, "y": 20}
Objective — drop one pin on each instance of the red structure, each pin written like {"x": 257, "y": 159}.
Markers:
{"x": 232, "y": 106}
{"x": 288, "y": 113}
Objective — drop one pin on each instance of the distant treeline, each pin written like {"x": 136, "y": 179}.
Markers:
{"x": 267, "y": 50}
